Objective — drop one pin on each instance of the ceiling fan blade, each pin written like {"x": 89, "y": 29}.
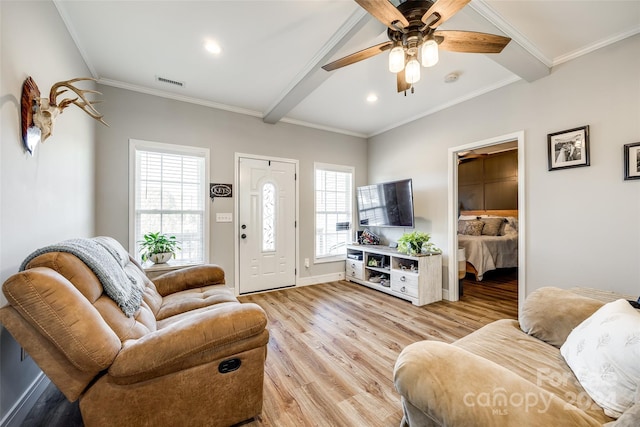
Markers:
{"x": 402, "y": 82}
{"x": 470, "y": 41}
{"x": 358, "y": 56}
{"x": 442, "y": 10}
{"x": 384, "y": 12}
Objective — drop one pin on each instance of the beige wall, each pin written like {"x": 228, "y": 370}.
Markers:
{"x": 140, "y": 116}
{"x": 48, "y": 197}
{"x": 582, "y": 224}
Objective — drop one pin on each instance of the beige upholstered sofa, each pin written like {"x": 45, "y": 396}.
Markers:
{"x": 507, "y": 373}
{"x": 190, "y": 354}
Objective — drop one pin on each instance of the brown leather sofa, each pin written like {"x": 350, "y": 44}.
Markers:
{"x": 191, "y": 355}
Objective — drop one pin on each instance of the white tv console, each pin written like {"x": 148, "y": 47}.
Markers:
{"x": 414, "y": 278}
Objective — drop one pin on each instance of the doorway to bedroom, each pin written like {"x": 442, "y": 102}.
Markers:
{"x": 486, "y": 203}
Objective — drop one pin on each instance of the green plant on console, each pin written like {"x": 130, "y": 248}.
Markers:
{"x": 416, "y": 242}
{"x": 158, "y": 243}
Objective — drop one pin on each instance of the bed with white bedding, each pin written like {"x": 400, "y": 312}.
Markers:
{"x": 490, "y": 240}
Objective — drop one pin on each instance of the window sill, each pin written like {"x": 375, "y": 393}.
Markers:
{"x": 154, "y": 270}
{"x": 338, "y": 258}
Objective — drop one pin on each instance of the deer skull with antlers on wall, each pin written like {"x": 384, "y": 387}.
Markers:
{"x": 39, "y": 114}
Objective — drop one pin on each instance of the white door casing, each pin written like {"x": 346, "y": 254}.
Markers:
{"x": 453, "y": 212}
{"x": 266, "y": 235}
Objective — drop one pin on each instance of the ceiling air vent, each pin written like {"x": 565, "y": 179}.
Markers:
{"x": 169, "y": 81}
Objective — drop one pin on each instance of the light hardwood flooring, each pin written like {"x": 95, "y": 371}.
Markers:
{"x": 332, "y": 349}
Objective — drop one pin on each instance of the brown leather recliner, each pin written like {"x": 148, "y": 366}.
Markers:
{"x": 191, "y": 355}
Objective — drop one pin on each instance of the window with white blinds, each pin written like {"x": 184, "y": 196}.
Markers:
{"x": 170, "y": 195}
{"x": 333, "y": 211}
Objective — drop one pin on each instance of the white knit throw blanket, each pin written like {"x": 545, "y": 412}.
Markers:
{"x": 105, "y": 263}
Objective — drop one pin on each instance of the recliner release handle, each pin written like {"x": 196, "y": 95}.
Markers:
{"x": 229, "y": 365}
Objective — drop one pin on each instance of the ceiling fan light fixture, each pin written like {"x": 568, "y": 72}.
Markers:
{"x": 396, "y": 59}
{"x": 412, "y": 71}
{"x": 429, "y": 53}
{"x": 413, "y": 35}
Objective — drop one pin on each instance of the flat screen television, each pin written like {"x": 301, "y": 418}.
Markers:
{"x": 389, "y": 204}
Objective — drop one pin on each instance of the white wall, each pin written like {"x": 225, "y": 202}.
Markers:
{"x": 146, "y": 117}
{"x": 48, "y": 197}
{"x": 582, "y": 224}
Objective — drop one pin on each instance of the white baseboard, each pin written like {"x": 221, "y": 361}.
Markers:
{"x": 314, "y": 280}
{"x": 302, "y": 281}
{"x": 445, "y": 294}
{"x": 20, "y": 410}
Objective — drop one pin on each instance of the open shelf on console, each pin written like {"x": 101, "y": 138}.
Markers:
{"x": 414, "y": 278}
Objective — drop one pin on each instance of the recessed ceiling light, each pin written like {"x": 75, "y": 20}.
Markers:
{"x": 213, "y": 47}
{"x": 372, "y": 98}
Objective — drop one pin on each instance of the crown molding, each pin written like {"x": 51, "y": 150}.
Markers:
{"x": 177, "y": 97}
{"x": 218, "y": 106}
{"x": 451, "y": 103}
{"x": 322, "y": 127}
{"x": 74, "y": 36}
{"x": 595, "y": 46}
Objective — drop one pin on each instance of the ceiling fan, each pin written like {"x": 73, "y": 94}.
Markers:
{"x": 415, "y": 40}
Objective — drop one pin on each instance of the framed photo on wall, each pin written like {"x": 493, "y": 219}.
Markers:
{"x": 568, "y": 148}
{"x": 632, "y": 161}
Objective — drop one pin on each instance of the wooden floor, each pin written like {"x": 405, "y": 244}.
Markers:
{"x": 332, "y": 349}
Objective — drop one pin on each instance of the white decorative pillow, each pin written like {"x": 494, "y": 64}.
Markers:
{"x": 468, "y": 217}
{"x": 513, "y": 222}
{"x": 604, "y": 354}
{"x": 508, "y": 230}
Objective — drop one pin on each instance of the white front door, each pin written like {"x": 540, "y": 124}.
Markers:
{"x": 266, "y": 224}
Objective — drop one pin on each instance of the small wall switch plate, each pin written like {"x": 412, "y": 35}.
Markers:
{"x": 306, "y": 262}
{"x": 224, "y": 217}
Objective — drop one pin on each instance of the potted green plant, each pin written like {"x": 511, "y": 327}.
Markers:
{"x": 416, "y": 242}
{"x": 158, "y": 248}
